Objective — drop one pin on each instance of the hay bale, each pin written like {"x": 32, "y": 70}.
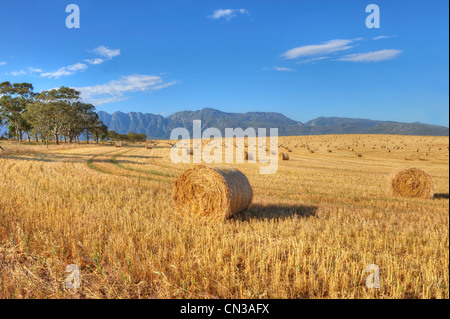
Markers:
{"x": 411, "y": 182}
{"x": 214, "y": 192}
{"x": 248, "y": 156}
{"x": 283, "y": 156}
{"x": 357, "y": 154}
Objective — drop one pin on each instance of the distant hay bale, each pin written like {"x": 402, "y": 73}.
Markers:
{"x": 214, "y": 192}
{"x": 283, "y": 156}
{"x": 358, "y": 154}
{"x": 149, "y": 147}
{"x": 248, "y": 156}
{"x": 411, "y": 182}
{"x": 329, "y": 151}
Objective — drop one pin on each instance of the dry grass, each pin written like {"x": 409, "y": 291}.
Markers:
{"x": 312, "y": 228}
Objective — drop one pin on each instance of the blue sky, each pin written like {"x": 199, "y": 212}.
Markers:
{"x": 302, "y": 58}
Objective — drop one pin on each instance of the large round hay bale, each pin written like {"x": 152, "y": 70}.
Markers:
{"x": 214, "y": 192}
{"x": 411, "y": 182}
{"x": 283, "y": 156}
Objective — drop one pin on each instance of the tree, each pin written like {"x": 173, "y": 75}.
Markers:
{"x": 59, "y": 104}
{"x": 13, "y": 102}
{"x": 55, "y": 113}
{"x": 114, "y": 136}
{"x": 37, "y": 114}
{"x": 100, "y": 131}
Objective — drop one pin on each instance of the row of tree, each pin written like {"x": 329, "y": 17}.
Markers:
{"x": 130, "y": 137}
{"x": 55, "y": 114}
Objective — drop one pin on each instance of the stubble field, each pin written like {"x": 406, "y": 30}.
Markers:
{"x": 311, "y": 231}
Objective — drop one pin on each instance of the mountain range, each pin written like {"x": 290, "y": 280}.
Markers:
{"x": 159, "y": 127}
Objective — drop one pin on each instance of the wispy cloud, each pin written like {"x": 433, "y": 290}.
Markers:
{"x": 94, "y": 61}
{"x": 65, "y": 71}
{"x": 28, "y": 71}
{"x": 313, "y": 60}
{"x": 383, "y": 37}
{"x": 107, "y": 52}
{"x": 18, "y": 73}
{"x": 114, "y": 91}
{"x": 103, "y": 51}
{"x": 34, "y": 70}
{"x": 319, "y": 49}
{"x": 2, "y": 63}
{"x": 227, "y": 14}
{"x": 279, "y": 69}
{"x": 374, "y": 56}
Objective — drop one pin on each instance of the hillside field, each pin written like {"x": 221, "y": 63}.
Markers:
{"x": 311, "y": 231}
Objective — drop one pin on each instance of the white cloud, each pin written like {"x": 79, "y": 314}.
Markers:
{"x": 94, "y": 61}
{"x": 383, "y": 37}
{"x": 34, "y": 70}
{"x": 375, "y": 56}
{"x": 227, "y": 14}
{"x": 280, "y": 69}
{"x": 313, "y": 60}
{"x": 114, "y": 91}
{"x": 29, "y": 71}
{"x": 277, "y": 68}
{"x": 102, "y": 50}
{"x": 65, "y": 71}
{"x": 18, "y": 73}
{"x": 107, "y": 52}
{"x": 319, "y": 49}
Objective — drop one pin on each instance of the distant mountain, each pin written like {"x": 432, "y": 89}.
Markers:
{"x": 157, "y": 126}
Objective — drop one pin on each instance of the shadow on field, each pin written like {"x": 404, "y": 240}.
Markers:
{"x": 277, "y": 211}
{"x": 441, "y": 196}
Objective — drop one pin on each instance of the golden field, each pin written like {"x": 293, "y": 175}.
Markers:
{"x": 311, "y": 231}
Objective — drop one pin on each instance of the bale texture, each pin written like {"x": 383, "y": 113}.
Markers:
{"x": 411, "y": 182}
{"x": 214, "y": 192}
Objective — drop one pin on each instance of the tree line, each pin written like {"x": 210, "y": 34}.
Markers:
{"x": 49, "y": 115}
{"x": 58, "y": 114}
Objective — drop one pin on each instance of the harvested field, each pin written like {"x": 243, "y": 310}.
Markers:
{"x": 310, "y": 232}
